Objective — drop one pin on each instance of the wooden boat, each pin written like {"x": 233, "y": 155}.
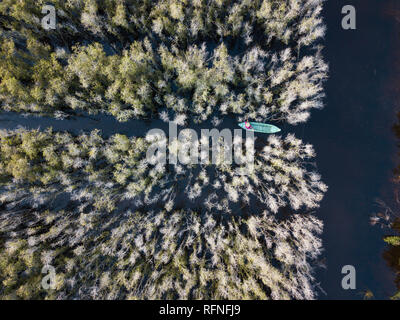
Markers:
{"x": 260, "y": 127}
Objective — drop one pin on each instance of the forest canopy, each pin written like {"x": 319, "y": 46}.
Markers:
{"x": 135, "y": 59}
{"x": 113, "y": 223}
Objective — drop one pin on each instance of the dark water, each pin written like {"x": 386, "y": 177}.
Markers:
{"x": 352, "y": 135}
{"x": 355, "y": 144}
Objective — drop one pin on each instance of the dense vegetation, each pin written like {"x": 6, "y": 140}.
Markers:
{"x": 141, "y": 58}
{"x": 158, "y": 255}
{"x": 38, "y": 167}
{"x": 110, "y": 219}
{"x": 67, "y": 198}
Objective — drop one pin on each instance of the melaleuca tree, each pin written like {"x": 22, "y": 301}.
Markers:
{"x": 32, "y": 79}
{"x": 134, "y": 58}
{"x": 158, "y": 255}
{"x": 115, "y": 20}
{"x": 38, "y": 167}
{"x": 64, "y": 203}
{"x": 110, "y": 219}
{"x": 282, "y": 175}
{"x": 104, "y": 172}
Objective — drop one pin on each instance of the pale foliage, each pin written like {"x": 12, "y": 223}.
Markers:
{"x": 158, "y": 255}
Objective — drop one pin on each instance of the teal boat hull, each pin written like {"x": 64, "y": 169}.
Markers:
{"x": 261, "y": 127}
